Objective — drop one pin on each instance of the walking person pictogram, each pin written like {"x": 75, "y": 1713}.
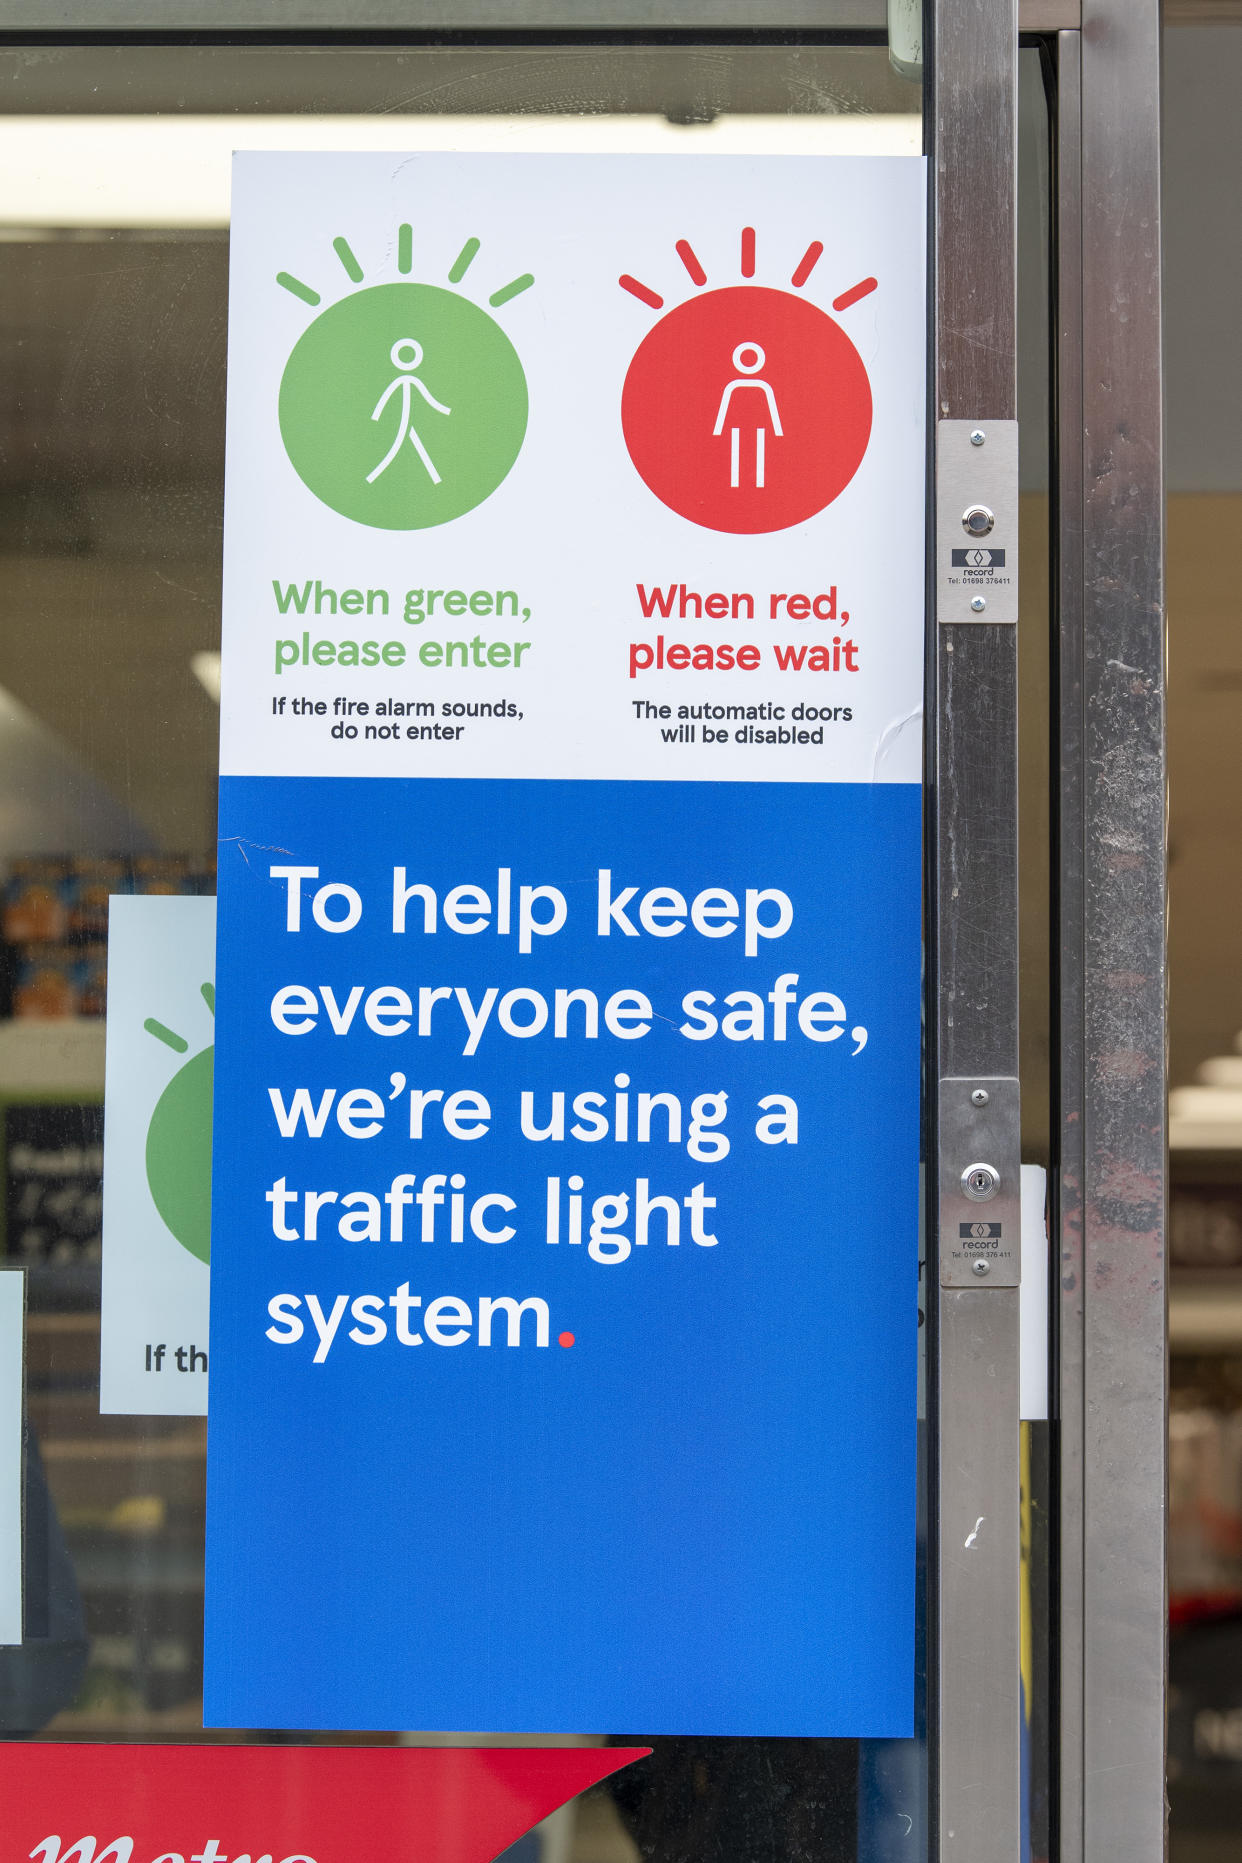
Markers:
{"x": 748, "y": 359}
{"x": 407, "y": 355}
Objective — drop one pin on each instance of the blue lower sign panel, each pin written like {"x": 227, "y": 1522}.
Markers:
{"x": 564, "y": 1288}
{"x": 564, "y": 1247}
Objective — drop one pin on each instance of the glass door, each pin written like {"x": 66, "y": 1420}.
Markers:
{"x": 114, "y": 306}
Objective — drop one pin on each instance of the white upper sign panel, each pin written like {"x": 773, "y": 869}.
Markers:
{"x": 576, "y": 466}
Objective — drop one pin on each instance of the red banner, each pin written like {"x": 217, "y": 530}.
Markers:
{"x": 258, "y": 1804}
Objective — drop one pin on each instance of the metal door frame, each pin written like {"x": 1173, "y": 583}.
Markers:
{"x": 972, "y": 939}
{"x": 1108, "y": 1039}
{"x": 1109, "y": 1025}
{"x": 1108, "y": 1178}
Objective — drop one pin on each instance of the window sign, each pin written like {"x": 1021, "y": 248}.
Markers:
{"x": 157, "y": 1156}
{"x": 68, "y": 1802}
{"x": 12, "y": 1396}
{"x": 564, "y": 1222}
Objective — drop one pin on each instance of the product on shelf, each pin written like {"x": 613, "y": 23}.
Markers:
{"x": 1205, "y": 1502}
{"x": 54, "y": 920}
{"x": 92, "y": 972}
{"x": 36, "y": 900}
{"x": 1205, "y": 1227}
{"x": 46, "y": 983}
{"x": 91, "y": 885}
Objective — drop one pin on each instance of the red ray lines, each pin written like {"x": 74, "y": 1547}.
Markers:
{"x": 685, "y": 252}
{"x": 643, "y": 293}
{"x": 806, "y": 265}
{"x": 852, "y": 296}
{"x": 808, "y": 262}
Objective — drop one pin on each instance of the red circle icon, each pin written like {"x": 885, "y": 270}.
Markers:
{"x": 565, "y": 1339}
{"x": 747, "y": 409}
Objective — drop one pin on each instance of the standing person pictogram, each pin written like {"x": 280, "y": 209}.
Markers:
{"x": 748, "y": 359}
{"x": 796, "y": 406}
{"x": 404, "y": 385}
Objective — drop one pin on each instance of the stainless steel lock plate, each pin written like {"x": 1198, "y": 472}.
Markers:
{"x": 980, "y": 1183}
{"x": 977, "y": 521}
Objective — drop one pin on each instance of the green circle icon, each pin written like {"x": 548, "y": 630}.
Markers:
{"x": 179, "y": 1154}
{"x": 403, "y": 406}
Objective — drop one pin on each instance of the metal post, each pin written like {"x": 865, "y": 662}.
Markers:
{"x": 1067, "y": 1074}
{"x": 1111, "y": 936}
{"x": 973, "y": 920}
